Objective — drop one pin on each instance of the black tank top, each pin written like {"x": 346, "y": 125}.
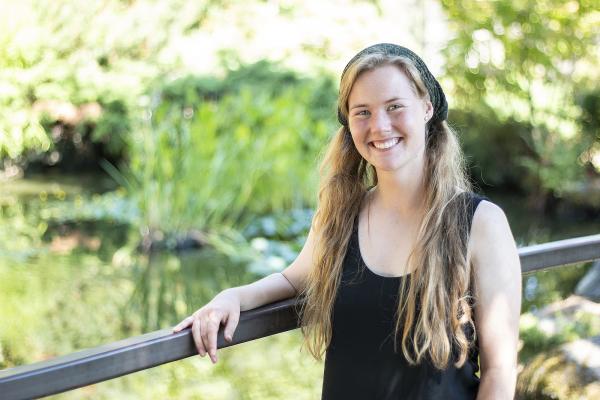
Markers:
{"x": 361, "y": 363}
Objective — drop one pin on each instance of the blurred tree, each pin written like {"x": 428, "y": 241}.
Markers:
{"x": 71, "y": 72}
{"x": 213, "y": 153}
{"x": 523, "y": 62}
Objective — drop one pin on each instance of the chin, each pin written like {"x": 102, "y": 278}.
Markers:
{"x": 397, "y": 165}
{"x": 389, "y": 168}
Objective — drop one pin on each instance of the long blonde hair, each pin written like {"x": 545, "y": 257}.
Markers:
{"x": 434, "y": 304}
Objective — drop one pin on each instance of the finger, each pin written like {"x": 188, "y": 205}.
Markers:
{"x": 198, "y": 338}
{"x": 232, "y": 323}
{"x": 213, "y": 330}
{"x": 203, "y": 333}
{"x": 183, "y": 324}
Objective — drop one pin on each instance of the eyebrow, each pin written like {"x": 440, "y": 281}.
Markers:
{"x": 387, "y": 101}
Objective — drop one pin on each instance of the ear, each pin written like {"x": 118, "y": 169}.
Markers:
{"x": 428, "y": 110}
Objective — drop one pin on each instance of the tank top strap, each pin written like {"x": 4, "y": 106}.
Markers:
{"x": 474, "y": 199}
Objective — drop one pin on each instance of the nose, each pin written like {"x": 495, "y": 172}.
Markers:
{"x": 380, "y": 122}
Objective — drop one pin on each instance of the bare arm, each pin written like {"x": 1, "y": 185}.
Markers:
{"x": 498, "y": 301}
{"x": 225, "y": 307}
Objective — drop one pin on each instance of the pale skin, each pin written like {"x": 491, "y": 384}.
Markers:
{"x": 385, "y": 109}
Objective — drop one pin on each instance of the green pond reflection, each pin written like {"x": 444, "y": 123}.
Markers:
{"x": 68, "y": 284}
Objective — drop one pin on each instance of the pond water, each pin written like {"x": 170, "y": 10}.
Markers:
{"x": 71, "y": 278}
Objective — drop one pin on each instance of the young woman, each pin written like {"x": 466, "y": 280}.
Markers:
{"x": 412, "y": 283}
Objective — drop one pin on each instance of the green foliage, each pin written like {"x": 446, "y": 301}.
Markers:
{"x": 262, "y": 75}
{"x": 57, "y": 58}
{"x": 538, "y": 340}
{"x": 109, "y": 207}
{"x": 483, "y": 135}
{"x": 20, "y": 232}
{"x": 589, "y": 102}
{"x": 549, "y": 286}
{"x": 522, "y": 62}
{"x": 113, "y": 127}
{"x": 534, "y": 339}
{"x": 215, "y": 154}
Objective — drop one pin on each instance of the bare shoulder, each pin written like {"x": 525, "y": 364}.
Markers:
{"x": 489, "y": 225}
{"x": 487, "y": 216}
{"x": 492, "y": 247}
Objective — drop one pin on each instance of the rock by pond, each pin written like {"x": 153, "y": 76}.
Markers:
{"x": 570, "y": 370}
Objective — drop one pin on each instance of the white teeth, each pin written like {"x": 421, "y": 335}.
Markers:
{"x": 387, "y": 143}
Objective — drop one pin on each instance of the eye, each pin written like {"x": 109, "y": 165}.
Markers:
{"x": 394, "y": 107}
{"x": 362, "y": 113}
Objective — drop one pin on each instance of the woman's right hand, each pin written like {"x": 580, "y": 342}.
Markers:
{"x": 206, "y": 321}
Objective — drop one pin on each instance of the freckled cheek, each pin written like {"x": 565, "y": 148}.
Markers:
{"x": 357, "y": 128}
{"x": 407, "y": 122}
{"x": 358, "y": 140}
{"x": 403, "y": 118}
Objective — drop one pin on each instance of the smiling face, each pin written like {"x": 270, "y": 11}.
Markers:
{"x": 387, "y": 119}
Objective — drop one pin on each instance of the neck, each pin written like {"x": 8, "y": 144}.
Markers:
{"x": 401, "y": 192}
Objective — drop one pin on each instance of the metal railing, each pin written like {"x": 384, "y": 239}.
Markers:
{"x": 146, "y": 351}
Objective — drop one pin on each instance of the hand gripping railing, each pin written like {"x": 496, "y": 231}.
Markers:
{"x": 146, "y": 351}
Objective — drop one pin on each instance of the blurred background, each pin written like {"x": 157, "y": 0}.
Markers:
{"x": 155, "y": 152}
